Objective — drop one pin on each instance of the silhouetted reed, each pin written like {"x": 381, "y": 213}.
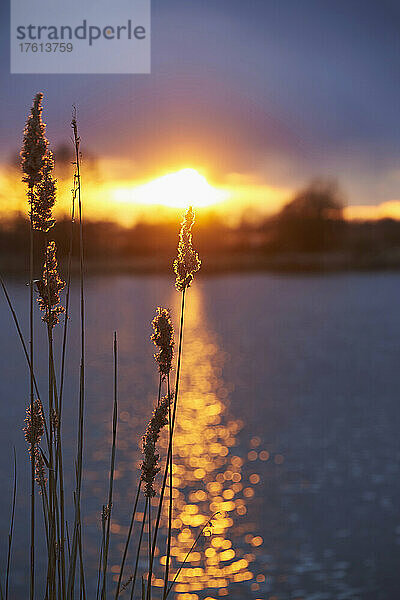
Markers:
{"x": 33, "y": 431}
{"x": 66, "y": 574}
{"x": 34, "y": 428}
{"x": 36, "y": 164}
{"x": 150, "y": 466}
{"x": 34, "y": 145}
{"x": 187, "y": 262}
{"x": 44, "y": 197}
{"x": 49, "y": 288}
{"x": 76, "y": 540}
{"x": 163, "y": 337}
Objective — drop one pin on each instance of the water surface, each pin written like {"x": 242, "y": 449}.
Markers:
{"x": 288, "y": 427}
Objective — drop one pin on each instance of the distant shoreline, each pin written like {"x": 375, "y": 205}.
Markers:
{"x": 289, "y": 263}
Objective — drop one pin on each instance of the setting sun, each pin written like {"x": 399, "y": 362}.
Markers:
{"x": 179, "y": 190}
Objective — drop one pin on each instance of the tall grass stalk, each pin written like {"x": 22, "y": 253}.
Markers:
{"x": 148, "y": 495}
{"x": 189, "y": 553}
{"x": 20, "y": 334}
{"x": 31, "y": 387}
{"x": 112, "y": 468}
{"x": 150, "y": 573}
{"x": 169, "y": 452}
{"x": 52, "y": 490}
{"x": 37, "y": 164}
{"x": 100, "y": 560}
{"x": 59, "y": 449}
{"x": 138, "y": 550}
{"x": 11, "y": 532}
{"x": 127, "y": 542}
{"x": 24, "y": 347}
{"x": 131, "y": 524}
{"x": 48, "y": 298}
{"x": 45, "y": 507}
{"x": 186, "y": 265}
{"x": 79, "y": 454}
{"x": 170, "y": 508}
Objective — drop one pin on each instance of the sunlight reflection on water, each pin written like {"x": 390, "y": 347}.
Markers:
{"x": 207, "y": 471}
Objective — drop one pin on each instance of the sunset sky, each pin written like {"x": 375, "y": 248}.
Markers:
{"x": 258, "y": 96}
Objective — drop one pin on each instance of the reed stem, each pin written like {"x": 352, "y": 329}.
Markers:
{"x": 170, "y": 493}
{"x": 150, "y": 573}
{"x": 188, "y": 554}
{"x": 11, "y": 532}
{"x": 121, "y": 571}
{"x": 59, "y": 453}
{"x": 19, "y": 331}
{"x": 138, "y": 550}
{"x": 31, "y": 346}
{"x": 79, "y": 458}
{"x": 112, "y": 468}
{"x": 162, "y": 492}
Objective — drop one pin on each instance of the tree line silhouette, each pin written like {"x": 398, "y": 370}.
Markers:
{"x": 311, "y": 224}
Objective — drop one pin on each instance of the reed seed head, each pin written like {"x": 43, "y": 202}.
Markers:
{"x": 43, "y": 197}
{"x": 34, "y": 423}
{"x": 34, "y": 145}
{"x": 33, "y": 431}
{"x": 150, "y": 466}
{"x": 49, "y": 288}
{"x": 37, "y": 164}
{"x": 187, "y": 263}
{"x": 163, "y": 337}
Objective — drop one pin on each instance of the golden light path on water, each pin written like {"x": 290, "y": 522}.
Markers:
{"x": 209, "y": 474}
{"x": 207, "y": 471}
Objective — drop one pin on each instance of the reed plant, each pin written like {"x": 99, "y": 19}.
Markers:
{"x": 66, "y": 575}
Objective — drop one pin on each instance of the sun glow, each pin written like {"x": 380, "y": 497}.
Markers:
{"x": 116, "y": 196}
{"x": 179, "y": 190}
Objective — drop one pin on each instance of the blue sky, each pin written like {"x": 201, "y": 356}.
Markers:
{"x": 282, "y": 91}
